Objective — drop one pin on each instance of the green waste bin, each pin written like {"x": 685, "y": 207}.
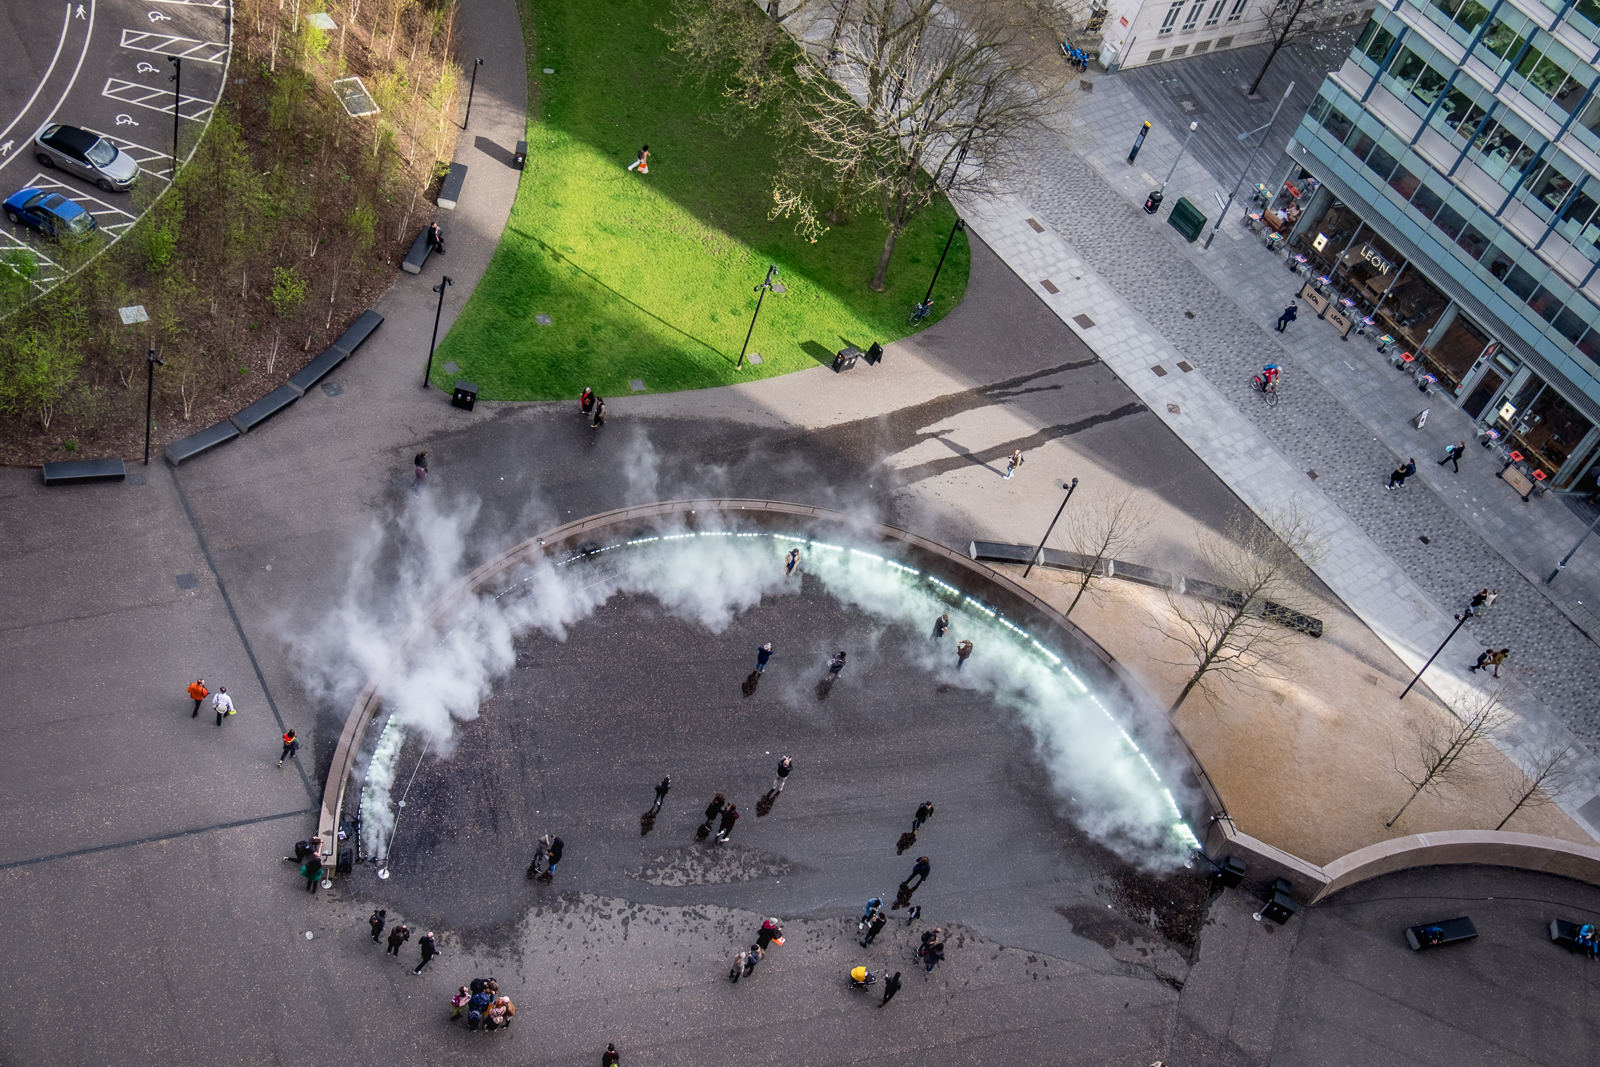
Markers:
{"x": 1187, "y": 220}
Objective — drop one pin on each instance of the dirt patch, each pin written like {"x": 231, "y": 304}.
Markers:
{"x": 711, "y": 865}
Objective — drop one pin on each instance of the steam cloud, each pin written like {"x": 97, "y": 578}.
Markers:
{"x": 708, "y": 579}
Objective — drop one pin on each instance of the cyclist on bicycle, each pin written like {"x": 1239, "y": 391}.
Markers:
{"x": 1267, "y": 380}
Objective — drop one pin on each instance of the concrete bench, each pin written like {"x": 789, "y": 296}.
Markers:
{"x": 1444, "y": 932}
{"x": 1056, "y": 559}
{"x": 450, "y": 191}
{"x": 359, "y": 331}
{"x": 421, "y": 249}
{"x": 1565, "y": 934}
{"x": 80, "y": 471}
{"x": 1133, "y": 572}
{"x": 186, "y": 448}
{"x": 265, "y": 408}
{"x": 317, "y": 369}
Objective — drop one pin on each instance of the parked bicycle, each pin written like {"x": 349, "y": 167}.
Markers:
{"x": 1077, "y": 58}
{"x": 920, "y": 311}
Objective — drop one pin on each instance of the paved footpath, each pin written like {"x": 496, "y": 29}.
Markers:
{"x": 1146, "y": 302}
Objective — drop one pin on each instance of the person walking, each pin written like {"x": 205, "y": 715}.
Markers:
{"x": 730, "y": 815}
{"x": 785, "y": 765}
{"x": 1483, "y": 659}
{"x": 642, "y": 164}
{"x": 791, "y": 561}
{"x": 397, "y": 937}
{"x": 920, "y": 871}
{"x": 435, "y": 238}
{"x": 771, "y": 931}
{"x": 913, "y": 914}
{"x": 873, "y": 905}
{"x": 941, "y": 625}
{"x": 1488, "y": 601}
{"x": 599, "y": 413}
{"x": 874, "y": 927}
{"x": 1397, "y": 477}
{"x": 738, "y": 967}
{"x": 586, "y": 402}
{"x": 222, "y": 704}
{"x": 963, "y": 650}
{"x": 835, "y": 665}
{"x": 763, "y": 654}
{"x": 379, "y": 918}
{"x": 609, "y": 1058}
{"x": 661, "y": 794}
{"x": 554, "y": 856}
{"x": 291, "y": 746}
{"x": 924, "y": 813}
{"x": 713, "y": 810}
{"x": 1288, "y": 315}
{"x": 420, "y": 470}
{"x": 891, "y": 986}
{"x": 752, "y": 957}
{"x": 1452, "y": 456}
{"x": 429, "y": 950}
{"x": 1498, "y": 658}
{"x": 311, "y": 871}
{"x": 197, "y": 693}
{"x": 1013, "y": 463}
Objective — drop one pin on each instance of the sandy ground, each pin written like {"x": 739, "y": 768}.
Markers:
{"x": 1305, "y": 760}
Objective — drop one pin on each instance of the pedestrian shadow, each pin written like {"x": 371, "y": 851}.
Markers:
{"x": 825, "y": 687}
{"x": 750, "y": 683}
{"x": 907, "y": 839}
{"x": 647, "y": 822}
{"x": 902, "y": 899}
{"x": 764, "y": 805}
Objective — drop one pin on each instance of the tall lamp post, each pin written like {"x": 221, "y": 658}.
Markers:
{"x": 177, "y": 101}
{"x": 1266, "y": 131}
{"x": 1038, "y": 552}
{"x": 150, "y": 362}
{"x": 959, "y": 227}
{"x": 440, "y": 288}
{"x": 1461, "y": 620}
{"x": 1563, "y": 564}
{"x": 767, "y": 285}
{"x": 1152, "y": 203}
{"x": 470, "y": 90}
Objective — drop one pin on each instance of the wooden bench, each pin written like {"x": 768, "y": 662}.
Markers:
{"x": 1565, "y": 934}
{"x": 1443, "y": 932}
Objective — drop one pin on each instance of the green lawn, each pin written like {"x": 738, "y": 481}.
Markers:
{"x": 651, "y": 277}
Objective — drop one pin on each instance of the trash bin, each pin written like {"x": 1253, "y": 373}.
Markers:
{"x": 1152, "y": 203}
{"x": 465, "y": 396}
{"x": 846, "y": 359}
{"x": 521, "y": 159}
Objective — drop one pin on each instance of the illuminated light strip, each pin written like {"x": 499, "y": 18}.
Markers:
{"x": 1051, "y": 655}
{"x": 831, "y": 548}
{"x": 786, "y": 537}
{"x": 715, "y": 533}
{"x": 1007, "y": 624}
{"x": 643, "y": 540}
{"x": 987, "y": 611}
{"x": 901, "y": 567}
{"x": 869, "y": 555}
{"x": 942, "y": 585}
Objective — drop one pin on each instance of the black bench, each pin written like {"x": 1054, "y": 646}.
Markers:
{"x": 359, "y": 331}
{"x": 421, "y": 249}
{"x": 186, "y": 448}
{"x": 450, "y": 191}
{"x": 317, "y": 369}
{"x": 79, "y": 471}
{"x": 265, "y": 408}
{"x": 1443, "y": 932}
{"x": 1565, "y": 934}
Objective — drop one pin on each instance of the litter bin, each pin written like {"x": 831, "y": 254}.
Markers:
{"x": 465, "y": 396}
{"x": 521, "y": 159}
{"x": 846, "y": 359}
{"x": 1152, "y": 203}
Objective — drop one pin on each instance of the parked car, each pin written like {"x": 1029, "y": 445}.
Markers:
{"x": 51, "y": 214}
{"x": 85, "y": 155}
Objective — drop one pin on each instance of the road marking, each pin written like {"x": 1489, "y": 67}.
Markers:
{"x": 126, "y": 92}
{"x": 5, "y": 149}
{"x": 167, "y": 44}
{"x": 60, "y": 44}
{"x": 126, "y": 120}
{"x": 156, "y": 16}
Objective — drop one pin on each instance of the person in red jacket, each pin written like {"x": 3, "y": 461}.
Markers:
{"x": 197, "y": 693}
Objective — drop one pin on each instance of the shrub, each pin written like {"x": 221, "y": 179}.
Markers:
{"x": 288, "y": 290}
{"x": 362, "y": 224}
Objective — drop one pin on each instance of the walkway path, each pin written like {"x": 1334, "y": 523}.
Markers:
{"x": 1143, "y": 299}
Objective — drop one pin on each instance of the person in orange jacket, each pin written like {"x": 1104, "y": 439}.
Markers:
{"x": 291, "y": 745}
{"x": 198, "y": 692}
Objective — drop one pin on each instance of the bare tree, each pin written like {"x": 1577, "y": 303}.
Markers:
{"x": 1288, "y": 21}
{"x": 1450, "y": 748}
{"x": 1102, "y": 530}
{"x": 914, "y": 103}
{"x": 1552, "y": 769}
{"x": 1230, "y": 627}
{"x": 744, "y": 44}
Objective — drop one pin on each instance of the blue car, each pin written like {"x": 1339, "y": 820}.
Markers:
{"x": 51, "y": 214}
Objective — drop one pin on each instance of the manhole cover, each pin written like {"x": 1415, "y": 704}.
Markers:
{"x": 452, "y": 368}
{"x": 636, "y": 385}
{"x": 332, "y": 388}
{"x": 187, "y": 581}
{"x": 754, "y": 357}
{"x": 353, "y": 95}
{"x": 542, "y": 320}
{"x": 1087, "y": 87}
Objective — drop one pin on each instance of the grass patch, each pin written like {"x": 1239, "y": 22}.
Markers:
{"x": 651, "y": 277}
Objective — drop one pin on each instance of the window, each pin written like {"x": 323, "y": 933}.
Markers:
{"x": 1172, "y": 17}
{"x": 1194, "y": 15}
{"x": 1504, "y": 39}
{"x": 1381, "y": 164}
{"x": 1450, "y": 221}
{"x": 1427, "y": 201}
{"x": 1237, "y": 11}
{"x": 1375, "y": 41}
{"x": 1216, "y": 14}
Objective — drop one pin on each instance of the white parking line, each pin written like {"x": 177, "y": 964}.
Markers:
{"x": 169, "y": 45}
{"x": 127, "y": 92}
{"x": 84, "y": 200}
{"x": 141, "y": 154}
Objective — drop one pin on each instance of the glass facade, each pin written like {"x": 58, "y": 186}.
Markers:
{"x": 1458, "y": 154}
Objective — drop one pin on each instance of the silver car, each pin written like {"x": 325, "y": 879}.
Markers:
{"x": 86, "y": 155}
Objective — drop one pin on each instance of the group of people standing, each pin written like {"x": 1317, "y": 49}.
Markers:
{"x": 483, "y": 1005}
{"x": 593, "y": 407}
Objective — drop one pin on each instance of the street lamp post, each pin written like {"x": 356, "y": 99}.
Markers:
{"x": 440, "y": 288}
{"x": 1038, "y": 552}
{"x": 470, "y": 90}
{"x": 1267, "y": 133}
{"x": 1563, "y": 564}
{"x": 150, "y": 361}
{"x": 1461, "y": 620}
{"x": 1152, "y": 203}
{"x": 177, "y": 101}
{"x": 959, "y": 227}
{"x": 767, "y": 285}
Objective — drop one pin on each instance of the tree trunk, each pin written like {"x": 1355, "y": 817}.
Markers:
{"x": 1414, "y": 794}
{"x": 1276, "y": 45}
{"x": 1521, "y": 801}
{"x": 880, "y": 277}
{"x": 1082, "y": 588}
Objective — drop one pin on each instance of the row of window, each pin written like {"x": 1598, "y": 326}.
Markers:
{"x": 1461, "y": 19}
{"x": 1500, "y": 259}
{"x": 1195, "y": 7}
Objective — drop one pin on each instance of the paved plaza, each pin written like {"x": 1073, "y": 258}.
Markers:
{"x": 142, "y": 853}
